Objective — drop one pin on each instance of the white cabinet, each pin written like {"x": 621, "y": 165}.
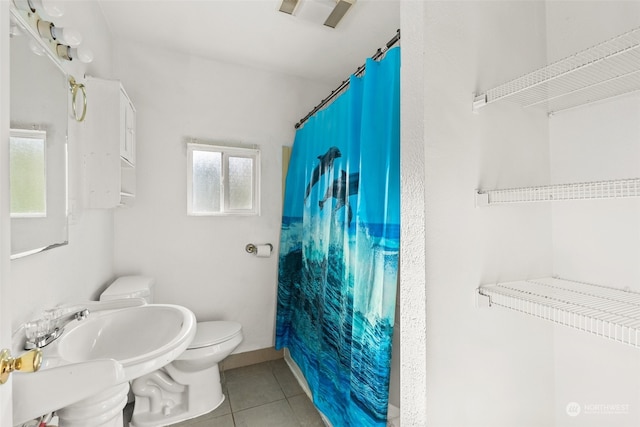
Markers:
{"x": 109, "y": 145}
{"x": 128, "y": 137}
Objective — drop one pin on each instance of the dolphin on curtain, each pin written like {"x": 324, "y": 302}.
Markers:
{"x": 326, "y": 163}
{"x": 340, "y": 189}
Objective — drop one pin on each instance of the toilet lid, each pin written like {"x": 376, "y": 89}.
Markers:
{"x": 209, "y": 333}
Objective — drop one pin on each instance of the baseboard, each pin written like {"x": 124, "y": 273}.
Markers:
{"x": 250, "y": 358}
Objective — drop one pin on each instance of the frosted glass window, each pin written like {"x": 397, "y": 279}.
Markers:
{"x": 207, "y": 181}
{"x": 28, "y": 180}
{"x": 222, "y": 180}
{"x": 240, "y": 182}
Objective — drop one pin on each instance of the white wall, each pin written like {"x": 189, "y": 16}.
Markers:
{"x": 200, "y": 262}
{"x": 411, "y": 298}
{"x": 78, "y": 270}
{"x": 484, "y": 367}
{"x": 595, "y": 241}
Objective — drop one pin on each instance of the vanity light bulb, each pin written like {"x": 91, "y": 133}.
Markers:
{"x": 51, "y": 8}
{"x": 46, "y": 29}
{"x": 82, "y": 54}
{"x": 67, "y": 36}
{"x": 23, "y": 5}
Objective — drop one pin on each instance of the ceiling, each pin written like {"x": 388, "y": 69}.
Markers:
{"x": 255, "y": 33}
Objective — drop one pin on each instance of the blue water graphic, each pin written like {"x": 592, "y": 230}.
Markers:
{"x": 325, "y": 319}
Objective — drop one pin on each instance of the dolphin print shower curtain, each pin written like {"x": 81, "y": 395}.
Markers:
{"x": 339, "y": 247}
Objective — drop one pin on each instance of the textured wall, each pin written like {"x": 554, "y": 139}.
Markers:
{"x": 412, "y": 256}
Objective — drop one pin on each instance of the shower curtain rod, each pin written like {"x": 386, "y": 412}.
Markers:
{"x": 345, "y": 83}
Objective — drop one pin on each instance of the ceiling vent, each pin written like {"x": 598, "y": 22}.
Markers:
{"x": 330, "y": 12}
{"x": 288, "y": 6}
{"x": 341, "y": 8}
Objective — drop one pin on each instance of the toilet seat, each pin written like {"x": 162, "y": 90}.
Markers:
{"x": 214, "y": 332}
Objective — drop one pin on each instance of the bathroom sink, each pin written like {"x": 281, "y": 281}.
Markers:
{"x": 108, "y": 348}
{"x": 142, "y": 339}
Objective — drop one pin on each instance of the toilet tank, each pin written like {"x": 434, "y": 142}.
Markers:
{"x": 130, "y": 287}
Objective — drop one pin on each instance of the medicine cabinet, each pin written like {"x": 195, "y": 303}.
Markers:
{"x": 110, "y": 145}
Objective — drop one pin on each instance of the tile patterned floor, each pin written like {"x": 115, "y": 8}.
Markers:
{"x": 262, "y": 395}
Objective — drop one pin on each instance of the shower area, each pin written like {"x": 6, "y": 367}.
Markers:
{"x": 339, "y": 248}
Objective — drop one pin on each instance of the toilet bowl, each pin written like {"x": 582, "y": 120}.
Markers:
{"x": 190, "y": 385}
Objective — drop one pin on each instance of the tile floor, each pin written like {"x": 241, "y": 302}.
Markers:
{"x": 262, "y": 395}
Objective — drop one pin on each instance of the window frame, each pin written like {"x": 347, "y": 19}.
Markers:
{"x": 226, "y": 152}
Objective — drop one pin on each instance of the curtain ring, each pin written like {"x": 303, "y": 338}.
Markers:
{"x": 74, "y": 93}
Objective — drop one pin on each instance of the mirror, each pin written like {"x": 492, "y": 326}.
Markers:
{"x": 38, "y": 144}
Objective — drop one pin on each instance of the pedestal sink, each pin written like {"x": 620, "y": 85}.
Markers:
{"x": 131, "y": 341}
{"x": 142, "y": 339}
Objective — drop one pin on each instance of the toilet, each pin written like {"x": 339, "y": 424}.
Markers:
{"x": 190, "y": 385}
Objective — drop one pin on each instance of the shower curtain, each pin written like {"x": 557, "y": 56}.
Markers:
{"x": 339, "y": 247}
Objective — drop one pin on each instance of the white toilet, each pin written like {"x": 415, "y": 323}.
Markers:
{"x": 190, "y": 385}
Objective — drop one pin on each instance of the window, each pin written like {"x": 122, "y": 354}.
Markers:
{"x": 28, "y": 181}
{"x": 222, "y": 180}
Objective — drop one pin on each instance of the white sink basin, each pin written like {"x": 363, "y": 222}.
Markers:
{"x": 106, "y": 349}
{"x": 142, "y": 339}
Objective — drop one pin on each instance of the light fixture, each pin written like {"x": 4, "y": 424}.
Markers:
{"x": 82, "y": 54}
{"x": 69, "y": 53}
{"x": 24, "y": 5}
{"x": 64, "y": 42}
{"x": 66, "y": 36}
{"x": 51, "y": 8}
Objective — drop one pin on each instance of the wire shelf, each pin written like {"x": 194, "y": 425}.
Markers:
{"x": 603, "y": 71}
{"x": 613, "y": 189}
{"x": 606, "y": 312}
